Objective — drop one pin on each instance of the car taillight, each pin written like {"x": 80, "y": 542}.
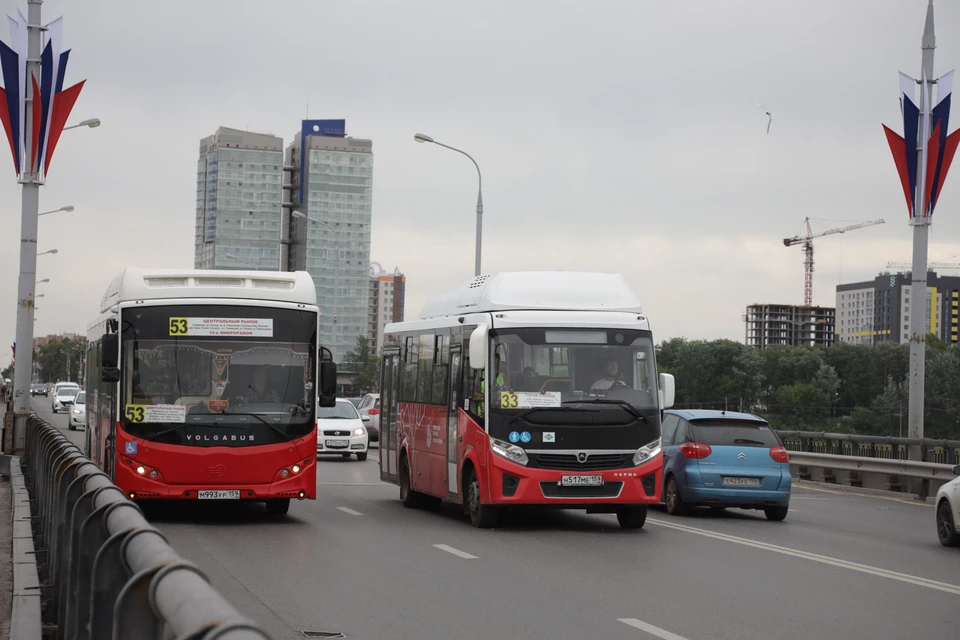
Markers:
{"x": 779, "y": 454}
{"x": 373, "y": 412}
{"x": 695, "y": 450}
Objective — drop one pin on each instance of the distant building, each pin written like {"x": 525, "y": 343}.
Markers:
{"x": 387, "y": 292}
{"x": 879, "y": 310}
{"x": 785, "y": 325}
{"x": 239, "y": 195}
{"x": 332, "y": 182}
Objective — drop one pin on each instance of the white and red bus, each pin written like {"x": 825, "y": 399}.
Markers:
{"x": 527, "y": 388}
{"x": 204, "y": 385}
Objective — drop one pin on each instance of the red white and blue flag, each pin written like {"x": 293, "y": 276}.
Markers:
{"x": 51, "y": 105}
{"x": 933, "y": 144}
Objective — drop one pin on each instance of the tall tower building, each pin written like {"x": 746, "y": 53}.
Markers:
{"x": 332, "y": 180}
{"x": 387, "y": 293}
{"x": 239, "y": 178}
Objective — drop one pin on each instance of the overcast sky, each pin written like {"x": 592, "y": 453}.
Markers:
{"x": 613, "y": 136}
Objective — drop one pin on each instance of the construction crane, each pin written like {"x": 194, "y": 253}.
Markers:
{"x": 946, "y": 266}
{"x": 807, "y": 242}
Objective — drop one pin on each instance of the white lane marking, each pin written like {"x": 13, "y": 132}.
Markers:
{"x": 649, "y": 628}
{"x": 814, "y": 557}
{"x": 350, "y": 511}
{"x": 456, "y": 552}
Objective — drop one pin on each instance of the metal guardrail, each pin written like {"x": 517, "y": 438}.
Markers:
{"x": 105, "y": 571}
{"x": 923, "y": 470}
{"x": 884, "y": 447}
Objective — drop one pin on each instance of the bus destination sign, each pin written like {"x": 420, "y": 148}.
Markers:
{"x": 221, "y": 327}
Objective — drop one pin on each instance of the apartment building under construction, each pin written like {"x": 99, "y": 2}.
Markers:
{"x": 787, "y": 325}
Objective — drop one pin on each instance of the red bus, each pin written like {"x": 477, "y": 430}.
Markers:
{"x": 570, "y": 417}
{"x": 202, "y": 385}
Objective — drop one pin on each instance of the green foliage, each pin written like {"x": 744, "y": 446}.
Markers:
{"x": 8, "y": 372}
{"x": 843, "y": 388}
{"x": 60, "y": 359}
{"x": 365, "y": 363}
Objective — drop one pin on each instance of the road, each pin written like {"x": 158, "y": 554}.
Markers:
{"x": 355, "y": 561}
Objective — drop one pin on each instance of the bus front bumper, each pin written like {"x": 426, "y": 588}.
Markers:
{"x": 514, "y": 484}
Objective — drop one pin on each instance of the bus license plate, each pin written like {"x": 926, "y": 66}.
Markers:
{"x": 581, "y": 481}
{"x": 337, "y": 443}
{"x": 741, "y": 482}
{"x": 213, "y": 494}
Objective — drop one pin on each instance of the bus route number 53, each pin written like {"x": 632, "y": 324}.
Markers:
{"x": 178, "y": 326}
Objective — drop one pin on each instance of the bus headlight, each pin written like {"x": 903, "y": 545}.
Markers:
{"x": 358, "y": 431}
{"x": 647, "y": 452}
{"x": 511, "y": 452}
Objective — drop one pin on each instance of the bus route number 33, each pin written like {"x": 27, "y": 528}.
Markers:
{"x": 178, "y": 326}
{"x": 509, "y": 400}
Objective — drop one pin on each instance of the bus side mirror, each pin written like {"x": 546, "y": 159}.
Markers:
{"x": 328, "y": 384}
{"x": 667, "y": 390}
{"x": 110, "y": 374}
{"x": 109, "y": 351}
{"x": 478, "y": 347}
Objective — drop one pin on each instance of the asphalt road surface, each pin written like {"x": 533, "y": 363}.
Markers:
{"x": 841, "y": 566}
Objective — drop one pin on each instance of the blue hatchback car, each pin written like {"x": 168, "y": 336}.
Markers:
{"x": 723, "y": 459}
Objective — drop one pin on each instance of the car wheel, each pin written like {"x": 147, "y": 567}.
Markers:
{"x": 71, "y": 427}
{"x": 362, "y": 456}
{"x": 482, "y": 516}
{"x": 776, "y": 513}
{"x": 278, "y": 506}
{"x": 632, "y": 517}
{"x": 672, "y": 499}
{"x": 946, "y": 528}
{"x": 409, "y": 497}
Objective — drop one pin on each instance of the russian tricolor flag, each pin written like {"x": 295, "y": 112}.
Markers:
{"x": 52, "y": 103}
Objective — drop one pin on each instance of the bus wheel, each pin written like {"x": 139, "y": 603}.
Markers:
{"x": 409, "y": 497}
{"x": 482, "y": 516}
{"x": 632, "y": 517}
{"x": 278, "y": 506}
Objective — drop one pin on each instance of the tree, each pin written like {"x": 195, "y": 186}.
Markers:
{"x": 365, "y": 364}
{"x": 8, "y": 372}
{"x": 61, "y": 359}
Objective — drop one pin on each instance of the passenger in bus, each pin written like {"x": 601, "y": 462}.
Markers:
{"x": 610, "y": 379}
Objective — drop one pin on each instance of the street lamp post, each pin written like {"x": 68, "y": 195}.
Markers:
{"x": 336, "y": 278}
{"x": 67, "y": 208}
{"x": 422, "y": 137}
{"x": 92, "y": 122}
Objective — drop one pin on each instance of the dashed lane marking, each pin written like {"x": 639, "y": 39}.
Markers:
{"x": 456, "y": 552}
{"x": 350, "y": 511}
{"x": 651, "y": 629}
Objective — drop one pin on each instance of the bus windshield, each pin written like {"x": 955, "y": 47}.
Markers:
{"x": 241, "y": 370}
{"x": 605, "y": 372}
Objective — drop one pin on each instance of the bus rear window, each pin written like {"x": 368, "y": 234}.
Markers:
{"x": 718, "y": 433}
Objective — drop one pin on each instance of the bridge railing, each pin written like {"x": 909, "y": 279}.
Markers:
{"x": 105, "y": 571}
{"x": 885, "y": 447}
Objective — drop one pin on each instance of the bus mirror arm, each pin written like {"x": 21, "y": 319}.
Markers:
{"x": 110, "y": 374}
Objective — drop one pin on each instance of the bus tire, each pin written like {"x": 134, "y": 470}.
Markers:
{"x": 482, "y": 516}
{"x": 408, "y": 497}
{"x": 278, "y": 506}
{"x": 632, "y": 517}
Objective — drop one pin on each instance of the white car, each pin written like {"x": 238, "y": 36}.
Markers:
{"x": 948, "y": 512}
{"x": 78, "y": 414}
{"x": 370, "y": 407}
{"x": 63, "y": 397}
{"x": 341, "y": 431}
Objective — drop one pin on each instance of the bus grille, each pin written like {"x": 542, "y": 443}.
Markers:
{"x": 569, "y": 462}
{"x": 554, "y": 490}
{"x": 156, "y": 283}
{"x": 273, "y": 285}
{"x": 220, "y": 282}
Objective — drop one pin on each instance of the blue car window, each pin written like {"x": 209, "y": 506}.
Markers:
{"x": 719, "y": 433}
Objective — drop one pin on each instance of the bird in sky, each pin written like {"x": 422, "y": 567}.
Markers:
{"x": 769, "y": 116}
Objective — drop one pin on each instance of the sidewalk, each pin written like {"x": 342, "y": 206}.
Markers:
{"x": 6, "y": 551}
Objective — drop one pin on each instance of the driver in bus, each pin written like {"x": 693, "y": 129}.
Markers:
{"x": 257, "y": 391}
{"x": 610, "y": 379}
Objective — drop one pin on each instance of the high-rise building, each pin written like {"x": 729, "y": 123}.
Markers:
{"x": 787, "y": 325}
{"x": 387, "y": 292}
{"x": 879, "y": 310}
{"x": 239, "y": 222}
{"x": 332, "y": 180}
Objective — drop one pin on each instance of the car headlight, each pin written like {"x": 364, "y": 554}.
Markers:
{"x": 358, "y": 431}
{"x": 647, "y": 452}
{"x": 78, "y": 411}
{"x": 511, "y": 452}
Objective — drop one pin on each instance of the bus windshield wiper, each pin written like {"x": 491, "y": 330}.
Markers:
{"x": 253, "y": 415}
{"x": 523, "y": 414}
{"x": 629, "y": 408}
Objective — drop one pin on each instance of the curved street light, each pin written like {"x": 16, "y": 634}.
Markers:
{"x": 44, "y": 280}
{"x": 51, "y": 252}
{"x": 336, "y": 276}
{"x": 67, "y": 208}
{"x": 422, "y": 137}
{"x": 92, "y": 123}
{"x": 241, "y": 260}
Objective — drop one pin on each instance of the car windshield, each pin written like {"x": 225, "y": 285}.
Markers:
{"x": 343, "y": 411}
{"x": 81, "y": 398}
{"x": 592, "y": 370}
{"x": 68, "y": 392}
{"x": 719, "y": 433}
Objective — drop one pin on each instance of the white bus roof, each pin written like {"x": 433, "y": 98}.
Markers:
{"x": 537, "y": 290}
{"x": 135, "y": 283}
